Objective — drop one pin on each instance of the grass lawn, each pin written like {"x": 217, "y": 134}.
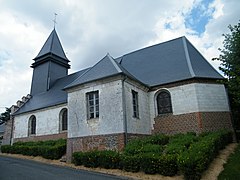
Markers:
{"x": 232, "y": 167}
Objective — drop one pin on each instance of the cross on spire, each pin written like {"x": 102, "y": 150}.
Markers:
{"x": 55, "y": 20}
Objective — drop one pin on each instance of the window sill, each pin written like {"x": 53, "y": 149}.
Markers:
{"x": 93, "y": 119}
{"x": 31, "y": 135}
{"x": 63, "y": 131}
{"x": 165, "y": 114}
{"x": 138, "y": 118}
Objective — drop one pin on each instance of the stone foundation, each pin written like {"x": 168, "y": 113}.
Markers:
{"x": 62, "y": 135}
{"x": 192, "y": 122}
{"x": 98, "y": 142}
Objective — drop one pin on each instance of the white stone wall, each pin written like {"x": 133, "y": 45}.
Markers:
{"x": 212, "y": 97}
{"x": 141, "y": 125}
{"x": 195, "y": 97}
{"x": 110, "y": 110}
{"x": 47, "y": 122}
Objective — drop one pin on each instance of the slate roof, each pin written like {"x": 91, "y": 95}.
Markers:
{"x": 106, "y": 67}
{"x": 55, "y": 96}
{"x": 167, "y": 62}
{"x": 163, "y": 63}
{"x": 52, "y": 46}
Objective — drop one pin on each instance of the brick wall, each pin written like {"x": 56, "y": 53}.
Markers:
{"x": 62, "y": 135}
{"x": 214, "y": 121}
{"x": 192, "y": 122}
{"x": 98, "y": 142}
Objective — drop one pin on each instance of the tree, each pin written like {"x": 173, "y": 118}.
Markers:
{"x": 230, "y": 65}
{"x": 4, "y": 117}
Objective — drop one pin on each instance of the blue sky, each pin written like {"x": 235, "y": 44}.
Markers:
{"x": 199, "y": 16}
{"x": 90, "y": 29}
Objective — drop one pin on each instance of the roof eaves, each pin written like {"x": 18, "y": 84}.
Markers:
{"x": 47, "y": 106}
{"x": 75, "y": 85}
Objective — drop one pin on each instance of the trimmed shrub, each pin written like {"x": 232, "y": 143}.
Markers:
{"x": 168, "y": 165}
{"x": 134, "y": 147}
{"x": 6, "y": 148}
{"x": 194, "y": 161}
{"x": 180, "y": 143}
{"x": 150, "y": 163}
{"x": 77, "y": 158}
{"x": 105, "y": 159}
{"x": 53, "y": 152}
{"x": 91, "y": 159}
{"x": 140, "y": 147}
{"x": 199, "y": 155}
{"x": 109, "y": 159}
{"x": 159, "y": 139}
{"x": 162, "y": 164}
{"x": 47, "y": 149}
{"x": 131, "y": 163}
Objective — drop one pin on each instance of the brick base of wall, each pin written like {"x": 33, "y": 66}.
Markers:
{"x": 192, "y": 122}
{"x": 62, "y": 135}
{"x": 98, "y": 142}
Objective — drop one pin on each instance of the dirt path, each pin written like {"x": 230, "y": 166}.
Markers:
{"x": 211, "y": 174}
{"x": 216, "y": 166}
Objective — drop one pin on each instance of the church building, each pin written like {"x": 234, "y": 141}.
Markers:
{"x": 165, "y": 88}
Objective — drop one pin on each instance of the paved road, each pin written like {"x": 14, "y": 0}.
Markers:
{"x": 19, "y": 169}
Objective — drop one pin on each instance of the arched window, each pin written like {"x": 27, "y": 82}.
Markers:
{"x": 63, "y": 119}
{"x": 164, "y": 104}
{"x": 32, "y": 125}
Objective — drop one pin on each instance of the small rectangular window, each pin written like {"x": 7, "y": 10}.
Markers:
{"x": 135, "y": 104}
{"x": 92, "y": 105}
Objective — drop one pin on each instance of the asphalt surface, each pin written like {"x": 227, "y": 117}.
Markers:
{"x": 19, "y": 169}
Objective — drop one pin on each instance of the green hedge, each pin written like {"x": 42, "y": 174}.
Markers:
{"x": 160, "y": 154}
{"x": 47, "y": 149}
{"x": 180, "y": 143}
{"x": 200, "y": 154}
{"x": 110, "y": 159}
{"x": 131, "y": 163}
{"x": 153, "y": 143}
{"x": 162, "y": 164}
{"x": 105, "y": 159}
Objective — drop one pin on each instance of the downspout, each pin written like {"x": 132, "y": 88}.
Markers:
{"x": 124, "y": 111}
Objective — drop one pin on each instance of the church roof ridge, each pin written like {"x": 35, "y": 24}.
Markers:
{"x": 106, "y": 67}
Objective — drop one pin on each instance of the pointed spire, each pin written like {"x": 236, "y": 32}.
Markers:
{"x": 52, "y": 46}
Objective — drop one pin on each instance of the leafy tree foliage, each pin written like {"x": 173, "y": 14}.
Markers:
{"x": 230, "y": 65}
{"x": 5, "y": 116}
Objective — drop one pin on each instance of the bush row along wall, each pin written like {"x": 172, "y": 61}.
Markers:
{"x": 48, "y": 149}
{"x": 165, "y": 155}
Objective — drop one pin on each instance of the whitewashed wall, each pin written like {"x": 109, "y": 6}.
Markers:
{"x": 141, "y": 125}
{"x": 212, "y": 97}
{"x": 195, "y": 97}
{"x": 47, "y": 122}
{"x": 110, "y": 110}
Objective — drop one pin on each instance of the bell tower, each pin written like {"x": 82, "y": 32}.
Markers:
{"x": 49, "y": 65}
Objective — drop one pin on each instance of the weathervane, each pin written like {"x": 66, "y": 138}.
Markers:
{"x": 55, "y": 20}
